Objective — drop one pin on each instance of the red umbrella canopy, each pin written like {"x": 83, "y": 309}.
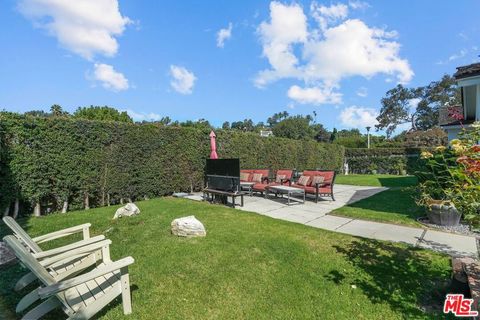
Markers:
{"x": 213, "y": 146}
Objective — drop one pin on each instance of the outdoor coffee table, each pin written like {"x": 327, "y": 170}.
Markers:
{"x": 291, "y": 192}
{"x": 247, "y": 186}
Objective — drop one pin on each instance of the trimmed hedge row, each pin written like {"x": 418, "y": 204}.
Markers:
{"x": 49, "y": 163}
{"x": 376, "y": 152}
{"x": 384, "y": 160}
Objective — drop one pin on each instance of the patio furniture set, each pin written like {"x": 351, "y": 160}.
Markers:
{"x": 318, "y": 183}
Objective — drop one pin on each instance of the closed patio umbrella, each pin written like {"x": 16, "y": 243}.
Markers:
{"x": 213, "y": 146}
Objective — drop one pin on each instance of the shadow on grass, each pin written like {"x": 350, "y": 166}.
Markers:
{"x": 399, "y": 201}
{"x": 398, "y": 181}
{"x": 405, "y": 278}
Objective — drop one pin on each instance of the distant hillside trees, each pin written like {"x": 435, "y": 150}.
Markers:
{"x": 104, "y": 113}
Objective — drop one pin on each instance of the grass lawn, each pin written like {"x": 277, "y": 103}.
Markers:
{"x": 377, "y": 180}
{"x": 251, "y": 267}
{"x": 395, "y": 205}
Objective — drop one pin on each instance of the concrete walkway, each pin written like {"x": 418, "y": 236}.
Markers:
{"x": 317, "y": 215}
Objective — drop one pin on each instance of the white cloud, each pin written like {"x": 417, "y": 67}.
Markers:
{"x": 359, "y": 5}
{"x": 84, "y": 27}
{"x": 109, "y": 77}
{"x": 141, "y": 116}
{"x": 339, "y": 49}
{"x": 182, "y": 79}
{"x": 288, "y": 26}
{"x": 314, "y": 95}
{"x": 327, "y": 15}
{"x": 223, "y": 35}
{"x": 458, "y": 55}
{"x": 462, "y": 53}
{"x": 358, "y": 117}
{"x": 362, "y": 92}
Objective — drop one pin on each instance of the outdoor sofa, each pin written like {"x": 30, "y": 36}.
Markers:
{"x": 317, "y": 182}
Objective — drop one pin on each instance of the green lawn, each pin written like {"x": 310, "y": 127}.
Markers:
{"x": 251, "y": 267}
{"x": 396, "y": 205}
{"x": 377, "y": 180}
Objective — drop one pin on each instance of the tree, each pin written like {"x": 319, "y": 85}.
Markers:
{"x": 276, "y": 118}
{"x": 435, "y": 96}
{"x": 396, "y": 109}
{"x": 226, "y": 125}
{"x": 297, "y": 127}
{"x": 321, "y": 134}
{"x": 397, "y": 105}
{"x": 104, "y": 113}
{"x": 245, "y": 125}
{"x": 38, "y": 113}
{"x": 201, "y": 124}
{"x": 333, "y": 135}
{"x": 165, "y": 121}
{"x": 57, "y": 111}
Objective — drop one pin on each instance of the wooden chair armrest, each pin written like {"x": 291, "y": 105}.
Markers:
{"x": 85, "y": 228}
{"x": 85, "y": 250}
{"x": 53, "y": 252}
{"x": 67, "y": 284}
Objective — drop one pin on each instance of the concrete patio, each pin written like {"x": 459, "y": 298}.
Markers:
{"x": 317, "y": 215}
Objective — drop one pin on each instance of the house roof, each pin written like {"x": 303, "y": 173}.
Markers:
{"x": 470, "y": 70}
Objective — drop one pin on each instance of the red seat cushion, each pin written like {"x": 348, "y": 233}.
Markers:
{"x": 259, "y": 186}
{"x": 312, "y": 190}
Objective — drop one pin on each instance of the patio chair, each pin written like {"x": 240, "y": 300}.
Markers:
{"x": 319, "y": 189}
{"x": 247, "y": 175}
{"x": 31, "y": 244}
{"x": 263, "y": 178}
{"x": 80, "y": 297}
{"x": 66, "y": 265}
{"x": 282, "y": 177}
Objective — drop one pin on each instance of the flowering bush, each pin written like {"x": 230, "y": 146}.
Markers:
{"x": 452, "y": 175}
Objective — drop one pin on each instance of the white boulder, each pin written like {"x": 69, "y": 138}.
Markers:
{"x": 130, "y": 209}
{"x": 188, "y": 227}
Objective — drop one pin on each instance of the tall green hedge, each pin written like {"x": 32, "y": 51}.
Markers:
{"x": 50, "y": 161}
{"x": 383, "y": 160}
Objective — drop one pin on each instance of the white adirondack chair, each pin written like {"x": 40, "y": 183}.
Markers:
{"x": 70, "y": 263}
{"x": 68, "y": 267}
{"x": 80, "y": 297}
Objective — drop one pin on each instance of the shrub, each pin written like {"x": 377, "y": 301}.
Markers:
{"x": 81, "y": 163}
{"x": 453, "y": 175}
{"x": 383, "y": 160}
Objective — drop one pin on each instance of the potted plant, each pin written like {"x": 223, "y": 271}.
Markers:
{"x": 449, "y": 182}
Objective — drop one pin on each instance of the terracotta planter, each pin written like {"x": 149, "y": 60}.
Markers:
{"x": 443, "y": 214}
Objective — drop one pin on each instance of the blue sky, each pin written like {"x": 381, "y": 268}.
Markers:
{"x": 159, "y": 58}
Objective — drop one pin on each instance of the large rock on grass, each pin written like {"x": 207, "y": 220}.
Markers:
{"x": 188, "y": 227}
{"x": 130, "y": 209}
